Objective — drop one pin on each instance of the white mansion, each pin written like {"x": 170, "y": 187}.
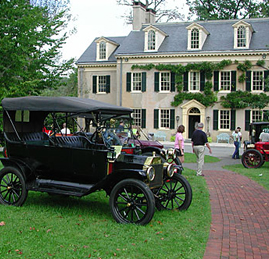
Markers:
{"x": 179, "y": 73}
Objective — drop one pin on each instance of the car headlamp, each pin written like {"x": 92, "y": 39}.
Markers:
{"x": 170, "y": 170}
{"x": 150, "y": 173}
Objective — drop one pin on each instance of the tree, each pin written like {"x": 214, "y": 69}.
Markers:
{"x": 30, "y": 41}
{"x": 162, "y": 15}
{"x": 54, "y": 7}
{"x": 227, "y": 9}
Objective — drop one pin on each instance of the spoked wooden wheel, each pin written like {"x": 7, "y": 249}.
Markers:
{"x": 131, "y": 201}
{"x": 252, "y": 159}
{"x": 12, "y": 187}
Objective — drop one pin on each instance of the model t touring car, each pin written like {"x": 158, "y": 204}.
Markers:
{"x": 84, "y": 161}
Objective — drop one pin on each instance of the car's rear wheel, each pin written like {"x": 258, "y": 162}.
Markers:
{"x": 252, "y": 159}
{"x": 131, "y": 201}
{"x": 12, "y": 187}
{"x": 175, "y": 193}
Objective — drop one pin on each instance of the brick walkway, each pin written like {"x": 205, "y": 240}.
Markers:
{"x": 240, "y": 217}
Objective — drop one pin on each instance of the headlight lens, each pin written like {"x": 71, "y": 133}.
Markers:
{"x": 170, "y": 170}
{"x": 150, "y": 173}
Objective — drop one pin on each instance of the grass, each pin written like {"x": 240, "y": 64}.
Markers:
{"x": 260, "y": 175}
{"x": 191, "y": 158}
{"x": 60, "y": 227}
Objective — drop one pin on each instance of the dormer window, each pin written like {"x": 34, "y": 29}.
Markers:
{"x": 242, "y": 35}
{"x": 151, "y": 40}
{"x": 197, "y": 35}
{"x": 195, "y": 38}
{"x": 102, "y": 50}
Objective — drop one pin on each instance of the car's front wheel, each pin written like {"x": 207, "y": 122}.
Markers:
{"x": 12, "y": 187}
{"x": 175, "y": 193}
{"x": 252, "y": 159}
{"x": 131, "y": 201}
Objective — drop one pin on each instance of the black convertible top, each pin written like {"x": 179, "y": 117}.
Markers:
{"x": 62, "y": 104}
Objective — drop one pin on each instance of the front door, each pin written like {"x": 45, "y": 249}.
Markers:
{"x": 193, "y": 120}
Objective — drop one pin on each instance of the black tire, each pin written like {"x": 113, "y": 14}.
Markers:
{"x": 12, "y": 187}
{"x": 131, "y": 201}
{"x": 252, "y": 159}
{"x": 176, "y": 193}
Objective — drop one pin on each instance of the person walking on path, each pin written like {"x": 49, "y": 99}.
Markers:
{"x": 199, "y": 140}
{"x": 179, "y": 143}
{"x": 236, "y": 138}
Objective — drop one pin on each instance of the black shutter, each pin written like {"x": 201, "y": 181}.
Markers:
{"x": 215, "y": 119}
{"x": 156, "y": 81}
{"x": 266, "y": 75}
{"x": 247, "y": 119}
{"x": 172, "y": 119}
{"x": 108, "y": 84}
{"x": 202, "y": 80}
{"x": 248, "y": 81}
{"x": 144, "y": 81}
{"x": 143, "y": 123}
{"x": 128, "y": 81}
{"x": 186, "y": 81}
{"x": 94, "y": 84}
{"x": 216, "y": 80}
{"x": 265, "y": 115}
{"x": 233, "y": 86}
{"x": 173, "y": 82}
{"x": 156, "y": 119}
{"x": 233, "y": 119}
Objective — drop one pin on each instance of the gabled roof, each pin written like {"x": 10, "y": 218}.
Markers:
{"x": 220, "y": 39}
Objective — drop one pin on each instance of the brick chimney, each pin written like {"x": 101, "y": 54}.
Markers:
{"x": 142, "y": 15}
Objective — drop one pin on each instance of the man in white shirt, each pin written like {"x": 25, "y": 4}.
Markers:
{"x": 65, "y": 130}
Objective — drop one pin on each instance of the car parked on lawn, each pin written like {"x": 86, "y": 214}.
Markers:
{"x": 256, "y": 152}
{"x": 81, "y": 163}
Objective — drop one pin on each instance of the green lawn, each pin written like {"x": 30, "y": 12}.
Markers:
{"x": 191, "y": 158}
{"x": 60, "y": 227}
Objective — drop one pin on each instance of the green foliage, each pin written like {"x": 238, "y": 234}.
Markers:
{"x": 242, "y": 99}
{"x": 227, "y": 9}
{"x": 244, "y": 66}
{"x": 30, "y": 41}
{"x": 260, "y": 63}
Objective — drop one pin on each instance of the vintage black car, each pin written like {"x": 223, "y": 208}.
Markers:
{"x": 78, "y": 163}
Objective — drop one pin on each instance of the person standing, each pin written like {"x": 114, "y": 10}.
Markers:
{"x": 65, "y": 130}
{"x": 199, "y": 140}
{"x": 179, "y": 143}
{"x": 236, "y": 138}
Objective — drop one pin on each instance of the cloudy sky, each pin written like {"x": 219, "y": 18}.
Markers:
{"x": 96, "y": 18}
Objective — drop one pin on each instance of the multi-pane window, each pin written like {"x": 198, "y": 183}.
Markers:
{"x": 137, "y": 117}
{"x": 241, "y": 37}
{"x": 195, "y": 39}
{"x": 256, "y": 115}
{"x": 102, "y": 50}
{"x": 101, "y": 84}
{"x": 225, "y": 80}
{"x": 164, "y": 118}
{"x": 137, "y": 81}
{"x": 257, "y": 80}
{"x": 194, "y": 81}
{"x": 151, "y": 40}
{"x": 225, "y": 119}
{"x": 165, "y": 81}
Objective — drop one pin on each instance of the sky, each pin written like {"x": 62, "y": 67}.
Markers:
{"x": 96, "y": 18}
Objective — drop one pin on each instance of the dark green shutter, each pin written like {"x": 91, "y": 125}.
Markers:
{"x": 233, "y": 119}
{"x": 186, "y": 81}
{"x": 247, "y": 119}
{"x": 156, "y": 119}
{"x": 94, "y": 84}
{"x": 172, "y": 119}
{"x": 128, "y": 81}
{"x": 108, "y": 84}
{"x": 248, "y": 81}
{"x": 156, "y": 81}
{"x": 202, "y": 81}
{"x": 216, "y": 80}
{"x": 215, "y": 119}
{"x": 265, "y": 115}
{"x": 143, "y": 123}
{"x": 173, "y": 82}
{"x": 266, "y": 75}
{"x": 144, "y": 81}
{"x": 233, "y": 86}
